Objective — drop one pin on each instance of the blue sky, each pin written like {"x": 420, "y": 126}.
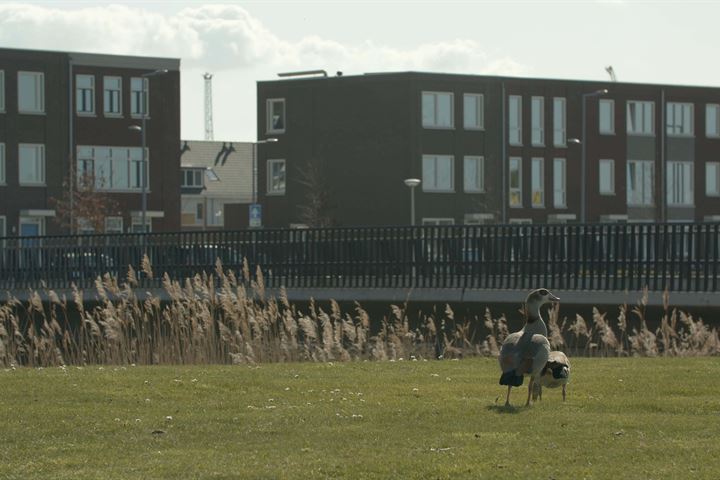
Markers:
{"x": 241, "y": 42}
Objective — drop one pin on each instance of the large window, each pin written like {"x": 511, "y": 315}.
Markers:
{"x": 537, "y": 117}
{"x": 437, "y": 110}
{"x": 113, "y": 224}
{"x": 139, "y": 96}
{"x": 276, "y": 177}
{"x": 473, "y": 111}
{"x": 559, "y": 183}
{"x": 640, "y": 118}
{"x": 2, "y": 164}
{"x": 275, "y": 115}
{"x": 215, "y": 212}
{"x": 607, "y": 177}
{"x": 537, "y": 181}
{"x": 712, "y": 120}
{"x": 559, "y": 122}
{"x": 31, "y": 92}
{"x": 31, "y": 159}
{"x": 474, "y": 174}
{"x": 680, "y": 183}
{"x": 112, "y": 96}
{"x": 712, "y": 179}
{"x": 640, "y": 180}
{"x": 606, "y": 110}
{"x": 85, "y": 94}
{"x": 437, "y": 173}
{"x": 515, "y": 119}
{"x": 2, "y": 90}
{"x": 193, "y": 177}
{"x": 112, "y": 168}
{"x": 515, "y": 180}
{"x": 679, "y": 119}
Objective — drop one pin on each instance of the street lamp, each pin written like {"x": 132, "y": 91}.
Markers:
{"x": 583, "y": 158}
{"x": 412, "y": 183}
{"x": 143, "y": 129}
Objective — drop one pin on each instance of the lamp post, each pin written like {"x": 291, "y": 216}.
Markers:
{"x": 143, "y": 133}
{"x": 583, "y": 158}
{"x": 412, "y": 183}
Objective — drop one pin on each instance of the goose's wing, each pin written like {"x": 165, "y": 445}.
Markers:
{"x": 511, "y": 352}
{"x": 557, "y": 369}
{"x": 539, "y": 351}
{"x": 558, "y": 359}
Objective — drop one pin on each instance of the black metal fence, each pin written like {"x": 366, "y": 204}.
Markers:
{"x": 615, "y": 257}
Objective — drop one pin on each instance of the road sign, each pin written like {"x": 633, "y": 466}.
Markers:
{"x": 255, "y": 215}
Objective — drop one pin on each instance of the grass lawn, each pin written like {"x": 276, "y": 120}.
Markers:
{"x": 624, "y": 418}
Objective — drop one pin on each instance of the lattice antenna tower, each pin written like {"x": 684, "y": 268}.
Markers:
{"x": 208, "y": 106}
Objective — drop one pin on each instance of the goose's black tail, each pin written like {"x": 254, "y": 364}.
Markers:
{"x": 511, "y": 378}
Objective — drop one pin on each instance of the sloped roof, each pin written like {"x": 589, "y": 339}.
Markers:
{"x": 231, "y": 162}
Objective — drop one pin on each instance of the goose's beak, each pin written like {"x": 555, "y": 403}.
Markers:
{"x": 553, "y": 298}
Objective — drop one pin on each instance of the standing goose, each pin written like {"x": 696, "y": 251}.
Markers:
{"x": 526, "y": 351}
{"x": 556, "y": 373}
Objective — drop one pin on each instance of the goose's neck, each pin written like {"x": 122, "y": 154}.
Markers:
{"x": 535, "y": 323}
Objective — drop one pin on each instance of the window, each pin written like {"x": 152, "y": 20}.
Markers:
{"x": 193, "y": 177}
{"x": 2, "y": 90}
{"x": 31, "y": 226}
{"x": 473, "y": 111}
{"x": 276, "y": 177}
{"x": 437, "y": 173}
{"x": 111, "y": 168}
{"x": 438, "y": 221}
{"x": 113, "y": 225}
{"x": 559, "y": 183}
{"x": 537, "y": 180}
{"x": 85, "y": 94}
{"x": 640, "y": 118}
{"x": 31, "y": 159}
{"x": 136, "y": 225}
{"x": 559, "y": 122}
{"x": 192, "y": 211}
{"x": 607, "y": 177}
{"x": 2, "y": 164}
{"x": 31, "y": 92}
{"x": 215, "y": 212}
{"x": 437, "y": 110}
{"x": 679, "y": 119}
{"x": 112, "y": 96}
{"x": 515, "y": 120}
{"x": 607, "y": 116}
{"x": 680, "y": 183}
{"x": 275, "y": 115}
{"x": 712, "y": 179}
{"x": 712, "y": 119}
{"x": 537, "y": 116}
{"x": 474, "y": 174}
{"x": 515, "y": 180}
{"x": 139, "y": 96}
{"x": 85, "y": 226}
{"x": 640, "y": 178}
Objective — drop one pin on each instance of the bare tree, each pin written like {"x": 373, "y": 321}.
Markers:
{"x": 317, "y": 207}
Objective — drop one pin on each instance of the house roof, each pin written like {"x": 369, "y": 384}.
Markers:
{"x": 230, "y": 161}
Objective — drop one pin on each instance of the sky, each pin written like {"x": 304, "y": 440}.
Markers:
{"x": 242, "y": 42}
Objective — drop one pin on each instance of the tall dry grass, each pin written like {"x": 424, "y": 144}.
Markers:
{"x": 220, "y": 318}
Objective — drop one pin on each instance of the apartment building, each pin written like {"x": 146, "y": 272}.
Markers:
{"x": 66, "y": 116}
{"x": 486, "y": 149}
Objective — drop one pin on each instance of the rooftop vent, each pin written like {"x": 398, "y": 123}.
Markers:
{"x": 303, "y": 73}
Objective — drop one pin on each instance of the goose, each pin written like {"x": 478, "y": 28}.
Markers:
{"x": 528, "y": 350}
{"x": 555, "y": 374}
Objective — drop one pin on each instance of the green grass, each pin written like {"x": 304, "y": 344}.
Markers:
{"x": 624, "y": 418}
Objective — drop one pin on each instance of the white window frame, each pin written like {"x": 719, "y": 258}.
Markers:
{"x": 437, "y": 221}
{"x": 606, "y": 126}
{"x": 712, "y": 174}
{"x": 269, "y": 124}
{"x": 2, "y": 91}
{"x": 559, "y": 182}
{"x": 430, "y": 182}
{"x": 434, "y": 121}
{"x": 139, "y": 99}
{"x": 478, "y": 122}
{"x": 537, "y": 182}
{"x": 647, "y": 199}
{"x": 537, "y": 120}
{"x": 477, "y": 184}
{"x": 680, "y": 191}
{"x": 640, "y": 118}
{"x": 194, "y": 174}
{"x": 109, "y": 227}
{"x": 95, "y": 159}
{"x": 712, "y": 111}
{"x": 679, "y": 119}
{"x": 515, "y": 120}
{"x": 136, "y": 224}
{"x": 39, "y": 93}
{"x": 602, "y": 188}
{"x": 108, "y": 92}
{"x": 3, "y": 176}
{"x": 84, "y": 96}
{"x": 278, "y": 189}
{"x": 40, "y": 166}
{"x": 559, "y": 122}
{"x": 517, "y": 190}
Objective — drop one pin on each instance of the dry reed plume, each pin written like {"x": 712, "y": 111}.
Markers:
{"x": 220, "y": 318}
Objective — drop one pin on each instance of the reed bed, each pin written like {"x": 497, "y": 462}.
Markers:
{"x": 224, "y": 318}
